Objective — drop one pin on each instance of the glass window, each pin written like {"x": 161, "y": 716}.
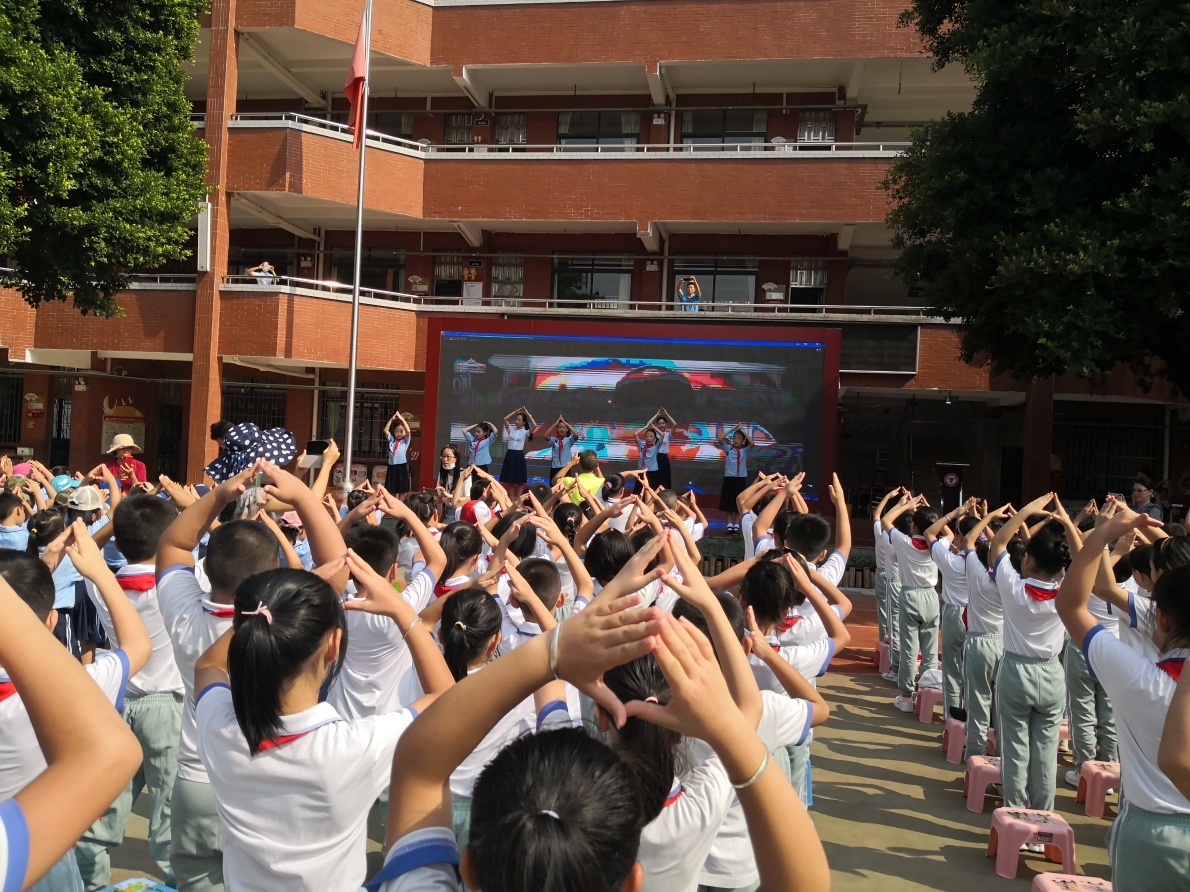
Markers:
{"x": 259, "y": 400}
{"x": 508, "y": 280}
{"x": 816, "y": 126}
{"x": 399, "y": 124}
{"x": 458, "y": 130}
{"x": 709, "y": 130}
{"x": 807, "y": 282}
{"x": 512, "y": 129}
{"x": 579, "y": 129}
{"x": 448, "y": 275}
{"x": 725, "y": 282}
{"x": 373, "y": 408}
{"x": 594, "y": 281}
{"x": 11, "y": 408}
{"x": 380, "y": 268}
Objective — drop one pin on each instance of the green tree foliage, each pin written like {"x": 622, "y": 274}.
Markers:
{"x": 100, "y": 167}
{"x": 1053, "y": 219}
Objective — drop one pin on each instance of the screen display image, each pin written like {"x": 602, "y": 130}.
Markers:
{"x": 609, "y": 387}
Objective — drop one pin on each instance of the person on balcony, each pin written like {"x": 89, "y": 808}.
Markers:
{"x": 689, "y": 294}
{"x": 265, "y": 273}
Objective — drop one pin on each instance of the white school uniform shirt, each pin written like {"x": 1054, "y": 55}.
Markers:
{"x": 747, "y": 522}
{"x": 1140, "y": 692}
{"x": 1031, "y": 626}
{"x": 953, "y": 569}
{"x": 194, "y": 623}
{"x": 833, "y": 568}
{"x": 805, "y": 626}
{"x": 621, "y": 522}
{"x": 663, "y": 444}
{"x": 21, "y": 758}
{"x": 731, "y": 864}
{"x": 694, "y": 528}
{"x": 521, "y": 719}
{"x": 295, "y": 817}
{"x": 880, "y": 547}
{"x": 160, "y": 674}
{"x": 917, "y": 568}
{"x": 675, "y": 844}
{"x": 1137, "y": 631}
{"x": 892, "y": 567}
{"x": 811, "y": 660}
{"x": 985, "y": 611}
{"x": 517, "y": 438}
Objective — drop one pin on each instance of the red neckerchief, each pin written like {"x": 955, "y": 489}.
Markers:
{"x": 1172, "y": 667}
{"x": 137, "y": 582}
{"x": 7, "y": 689}
{"x": 221, "y": 613}
{"x": 788, "y": 623}
{"x": 674, "y": 796}
{"x": 919, "y": 543}
{"x": 1040, "y": 594}
{"x": 278, "y": 742}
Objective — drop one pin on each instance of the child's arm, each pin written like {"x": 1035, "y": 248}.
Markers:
{"x": 764, "y": 522}
{"x": 326, "y": 542}
{"x": 831, "y": 592}
{"x": 592, "y": 526}
{"x": 431, "y": 550}
{"x": 323, "y": 478}
{"x": 999, "y": 543}
{"x": 523, "y": 592}
{"x": 731, "y": 578}
{"x": 176, "y": 546}
{"x": 291, "y": 557}
{"x": 695, "y": 509}
{"x": 794, "y": 682}
{"x": 879, "y": 509}
{"x": 90, "y": 753}
{"x": 835, "y": 629}
{"x": 842, "y": 518}
{"x": 941, "y": 527}
{"x": 905, "y": 504}
{"x": 1173, "y": 757}
{"x": 691, "y": 547}
{"x": 752, "y": 494}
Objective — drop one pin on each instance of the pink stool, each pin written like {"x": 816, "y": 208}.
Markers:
{"x": 982, "y": 772}
{"x": 991, "y": 741}
{"x": 927, "y": 699}
{"x": 1064, "y": 732}
{"x": 954, "y": 738}
{"x": 1094, "y": 780}
{"x": 1014, "y": 827}
{"x": 882, "y": 660}
{"x": 1068, "y": 882}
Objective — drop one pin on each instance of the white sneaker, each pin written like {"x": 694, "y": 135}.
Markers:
{"x": 905, "y": 704}
{"x": 1033, "y": 848}
{"x": 1072, "y": 778}
{"x": 890, "y": 675}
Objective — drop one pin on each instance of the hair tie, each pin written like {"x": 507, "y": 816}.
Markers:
{"x": 549, "y": 811}
{"x": 260, "y": 610}
{"x": 459, "y": 624}
{"x": 652, "y": 700}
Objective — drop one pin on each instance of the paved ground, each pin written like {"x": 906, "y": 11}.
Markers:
{"x": 887, "y": 804}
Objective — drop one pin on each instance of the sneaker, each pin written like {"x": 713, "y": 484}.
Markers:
{"x": 905, "y": 704}
{"x": 1071, "y": 778}
{"x": 1033, "y": 848}
{"x": 890, "y": 675}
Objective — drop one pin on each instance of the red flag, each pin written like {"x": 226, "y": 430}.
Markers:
{"x": 356, "y": 75}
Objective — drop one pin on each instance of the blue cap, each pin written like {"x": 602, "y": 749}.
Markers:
{"x": 64, "y": 481}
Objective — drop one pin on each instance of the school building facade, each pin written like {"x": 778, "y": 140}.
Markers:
{"x": 549, "y": 158}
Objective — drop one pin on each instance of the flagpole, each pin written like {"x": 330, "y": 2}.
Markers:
{"x": 349, "y": 438}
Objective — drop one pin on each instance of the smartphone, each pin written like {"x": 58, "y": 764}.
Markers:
{"x": 1118, "y": 496}
{"x": 314, "y": 451}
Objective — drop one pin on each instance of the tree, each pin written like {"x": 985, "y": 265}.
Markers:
{"x": 100, "y": 167}
{"x": 1052, "y": 219}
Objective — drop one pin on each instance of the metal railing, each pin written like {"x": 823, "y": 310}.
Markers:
{"x": 425, "y": 149}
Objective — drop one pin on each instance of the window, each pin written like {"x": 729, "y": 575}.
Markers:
{"x": 879, "y": 348}
{"x": 807, "y": 282}
{"x": 259, "y": 400}
{"x": 508, "y": 280}
{"x": 458, "y": 130}
{"x": 380, "y": 268}
{"x": 709, "y": 130}
{"x": 373, "y": 408}
{"x": 448, "y": 275}
{"x": 512, "y": 129}
{"x": 816, "y": 126}
{"x": 582, "y": 129}
{"x": 595, "y": 281}
{"x": 399, "y": 124}
{"x": 726, "y": 282}
{"x": 11, "y": 408}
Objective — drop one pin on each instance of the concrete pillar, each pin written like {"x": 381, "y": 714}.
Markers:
{"x": 1038, "y": 438}
{"x": 206, "y": 385}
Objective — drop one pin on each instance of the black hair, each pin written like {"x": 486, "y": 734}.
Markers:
{"x": 808, "y": 535}
{"x": 607, "y": 553}
{"x": 1016, "y": 553}
{"x": 543, "y": 577}
{"x": 1121, "y": 571}
{"x": 541, "y": 491}
{"x": 982, "y": 547}
{"x": 356, "y": 497}
{"x": 669, "y": 499}
{"x": 924, "y": 518}
{"x": 517, "y": 843}
{"x": 1175, "y": 530}
{"x": 569, "y": 517}
{"x": 1171, "y": 553}
{"x": 735, "y": 615}
{"x": 1140, "y": 560}
{"x": 588, "y": 460}
{"x": 781, "y": 526}
{"x": 763, "y": 502}
{"x": 478, "y": 485}
{"x": 9, "y": 502}
{"x": 461, "y": 542}
{"x": 219, "y": 429}
{"x": 902, "y": 523}
{"x": 1049, "y": 549}
{"x": 1171, "y": 595}
{"x": 612, "y": 485}
{"x": 967, "y": 524}
{"x": 44, "y": 527}
{"x": 639, "y": 540}
{"x": 470, "y": 618}
{"x": 267, "y": 653}
{"x": 60, "y": 471}
{"x": 377, "y": 547}
{"x": 651, "y": 751}
{"x": 30, "y": 578}
{"x": 1144, "y": 480}
{"x": 138, "y": 523}
{"x": 236, "y": 550}
{"x": 768, "y": 588}
{"x": 423, "y": 506}
{"x": 526, "y": 540}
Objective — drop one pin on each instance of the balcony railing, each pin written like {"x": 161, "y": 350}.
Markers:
{"x": 777, "y": 148}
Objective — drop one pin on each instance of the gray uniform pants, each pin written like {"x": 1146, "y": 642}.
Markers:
{"x": 954, "y": 633}
{"x": 919, "y": 628}
{"x": 1092, "y": 724}
{"x": 1030, "y": 698}
{"x": 982, "y": 652}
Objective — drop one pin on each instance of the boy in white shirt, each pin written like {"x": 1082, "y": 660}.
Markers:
{"x": 919, "y": 610}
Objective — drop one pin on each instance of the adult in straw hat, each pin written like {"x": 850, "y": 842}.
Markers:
{"x": 127, "y": 470}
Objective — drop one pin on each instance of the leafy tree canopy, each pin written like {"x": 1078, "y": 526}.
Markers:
{"x": 1053, "y": 219}
{"x": 100, "y": 168}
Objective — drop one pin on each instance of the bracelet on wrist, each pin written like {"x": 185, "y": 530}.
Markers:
{"x": 754, "y": 778}
{"x": 405, "y": 634}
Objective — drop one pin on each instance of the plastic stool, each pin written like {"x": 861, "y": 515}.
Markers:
{"x": 991, "y": 741}
{"x": 1064, "y": 731}
{"x": 1014, "y": 827}
{"x": 882, "y": 658}
{"x": 982, "y": 772}
{"x": 1068, "y": 882}
{"x": 954, "y": 738}
{"x": 1094, "y": 780}
{"x": 927, "y": 699}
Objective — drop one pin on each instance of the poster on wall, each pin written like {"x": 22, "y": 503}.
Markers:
{"x": 122, "y": 418}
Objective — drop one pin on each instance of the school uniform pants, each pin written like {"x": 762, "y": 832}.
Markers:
{"x": 62, "y": 877}
{"x": 1092, "y": 723}
{"x": 1148, "y": 851}
{"x": 881, "y": 606}
{"x": 919, "y": 630}
{"x": 954, "y": 633}
{"x": 893, "y": 600}
{"x": 156, "y": 720}
{"x": 982, "y": 652}
{"x": 196, "y": 844}
{"x": 1030, "y": 698}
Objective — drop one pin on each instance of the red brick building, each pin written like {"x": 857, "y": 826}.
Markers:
{"x": 560, "y": 159}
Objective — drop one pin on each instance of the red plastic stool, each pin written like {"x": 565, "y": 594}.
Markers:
{"x": 991, "y": 741}
{"x": 927, "y": 699}
{"x": 882, "y": 659}
{"x": 954, "y": 738}
{"x": 1068, "y": 882}
{"x": 1094, "y": 780}
{"x": 982, "y": 772}
{"x": 1015, "y": 827}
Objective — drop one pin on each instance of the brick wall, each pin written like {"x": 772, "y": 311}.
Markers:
{"x": 153, "y": 322}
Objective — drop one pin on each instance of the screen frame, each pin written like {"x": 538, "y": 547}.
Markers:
{"x": 831, "y": 338}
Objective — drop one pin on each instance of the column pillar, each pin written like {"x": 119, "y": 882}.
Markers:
{"x": 206, "y": 384}
{"x": 1038, "y": 438}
